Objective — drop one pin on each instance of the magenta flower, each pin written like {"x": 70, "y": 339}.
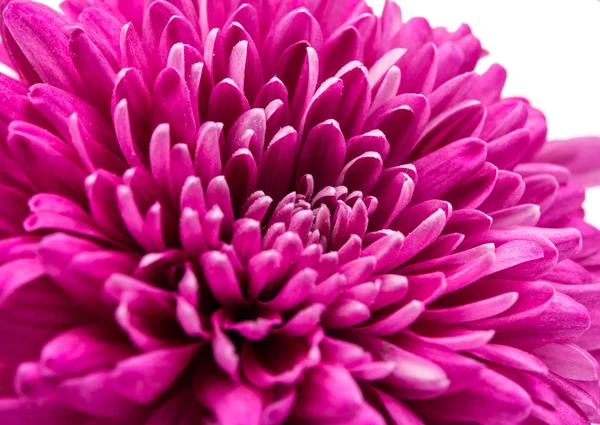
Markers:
{"x": 284, "y": 212}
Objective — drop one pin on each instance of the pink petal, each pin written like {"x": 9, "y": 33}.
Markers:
{"x": 231, "y": 403}
{"x": 327, "y": 392}
{"x": 325, "y": 142}
{"x": 37, "y": 29}
{"x": 441, "y": 170}
{"x": 145, "y": 377}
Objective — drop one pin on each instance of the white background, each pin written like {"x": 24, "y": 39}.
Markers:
{"x": 551, "y": 49}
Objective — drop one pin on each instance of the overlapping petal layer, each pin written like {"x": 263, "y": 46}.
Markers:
{"x": 283, "y": 212}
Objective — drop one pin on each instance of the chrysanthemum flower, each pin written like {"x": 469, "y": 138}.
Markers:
{"x": 268, "y": 212}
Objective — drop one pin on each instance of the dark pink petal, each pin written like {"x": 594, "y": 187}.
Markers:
{"x": 274, "y": 89}
{"x": 451, "y": 93}
{"x": 382, "y": 66}
{"x": 245, "y": 65}
{"x": 298, "y": 25}
{"x": 263, "y": 268}
{"x": 541, "y": 190}
{"x": 322, "y": 154}
{"x": 414, "y": 377}
{"x": 419, "y": 71}
{"x": 387, "y": 252}
{"x": 531, "y": 268}
{"x": 345, "y": 313}
{"x": 58, "y": 106}
{"x": 189, "y": 8}
{"x": 536, "y": 122}
{"x": 156, "y": 18}
{"x": 218, "y": 195}
{"x": 101, "y": 188}
{"x": 459, "y": 369}
{"x": 133, "y": 55}
{"x": 83, "y": 349}
{"x": 441, "y": 170}
{"x": 16, "y": 274}
{"x": 521, "y": 215}
{"x": 304, "y": 80}
{"x": 373, "y": 141}
{"x": 130, "y": 85}
{"x": 324, "y": 104}
{"x": 37, "y": 29}
{"x": 92, "y": 154}
{"x": 14, "y": 411}
{"x": 401, "y": 119}
{"x": 362, "y": 173}
{"x": 453, "y": 337}
{"x": 248, "y": 17}
{"x": 172, "y": 105}
{"x": 327, "y": 392}
{"x": 473, "y": 311}
{"x": 388, "y": 88}
{"x": 462, "y": 121}
{"x": 226, "y": 103}
{"x": 182, "y": 408}
{"x": 420, "y": 234}
{"x": 132, "y": 217}
{"x": 562, "y": 321}
{"x": 488, "y": 86}
{"x": 472, "y": 224}
{"x": 229, "y": 401}
{"x": 504, "y": 117}
{"x": 255, "y": 329}
{"x": 177, "y": 30}
{"x": 512, "y": 358}
{"x": 507, "y": 192}
{"x": 39, "y": 153}
{"x": 568, "y": 202}
{"x": 215, "y": 54}
{"x": 96, "y": 72}
{"x": 91, "y": 394}
{"x": 399, "y": 413}
{"x": 276, "y": 167}
{"x": 104, "y": 28}
{"x": 208, "y": 154}
{"x": 346, "y": 45}
{"x": 450, "y": 60}
{"x": 17, "y": 59}
{"x": 69, "y": 260}
{"x": 247, "y": 132}
{"x": 472, "y": 192}
{"x": 442, "y": 246}
{"x": 388, "y": 324}
{"x": 182, "y": 168}
{"x": 493, "y": 396}
{"x": 572, "y": 392}
{"x": 279, "y": 359}
{"x": 241, "y": 174}
{"x": 145, "y": 377}
{"x": 189, "y": 63}
{"x": 393, "y": 288}
{"x": 356, "y": 100}
{"x": 303, "y": 322}
{"x": 501, "y": 151}
{"x": 398, "y": 188}
{"x": 160, "y": 158}
{"x": 221, "y": 278}
{"x": 560, "y": 173}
